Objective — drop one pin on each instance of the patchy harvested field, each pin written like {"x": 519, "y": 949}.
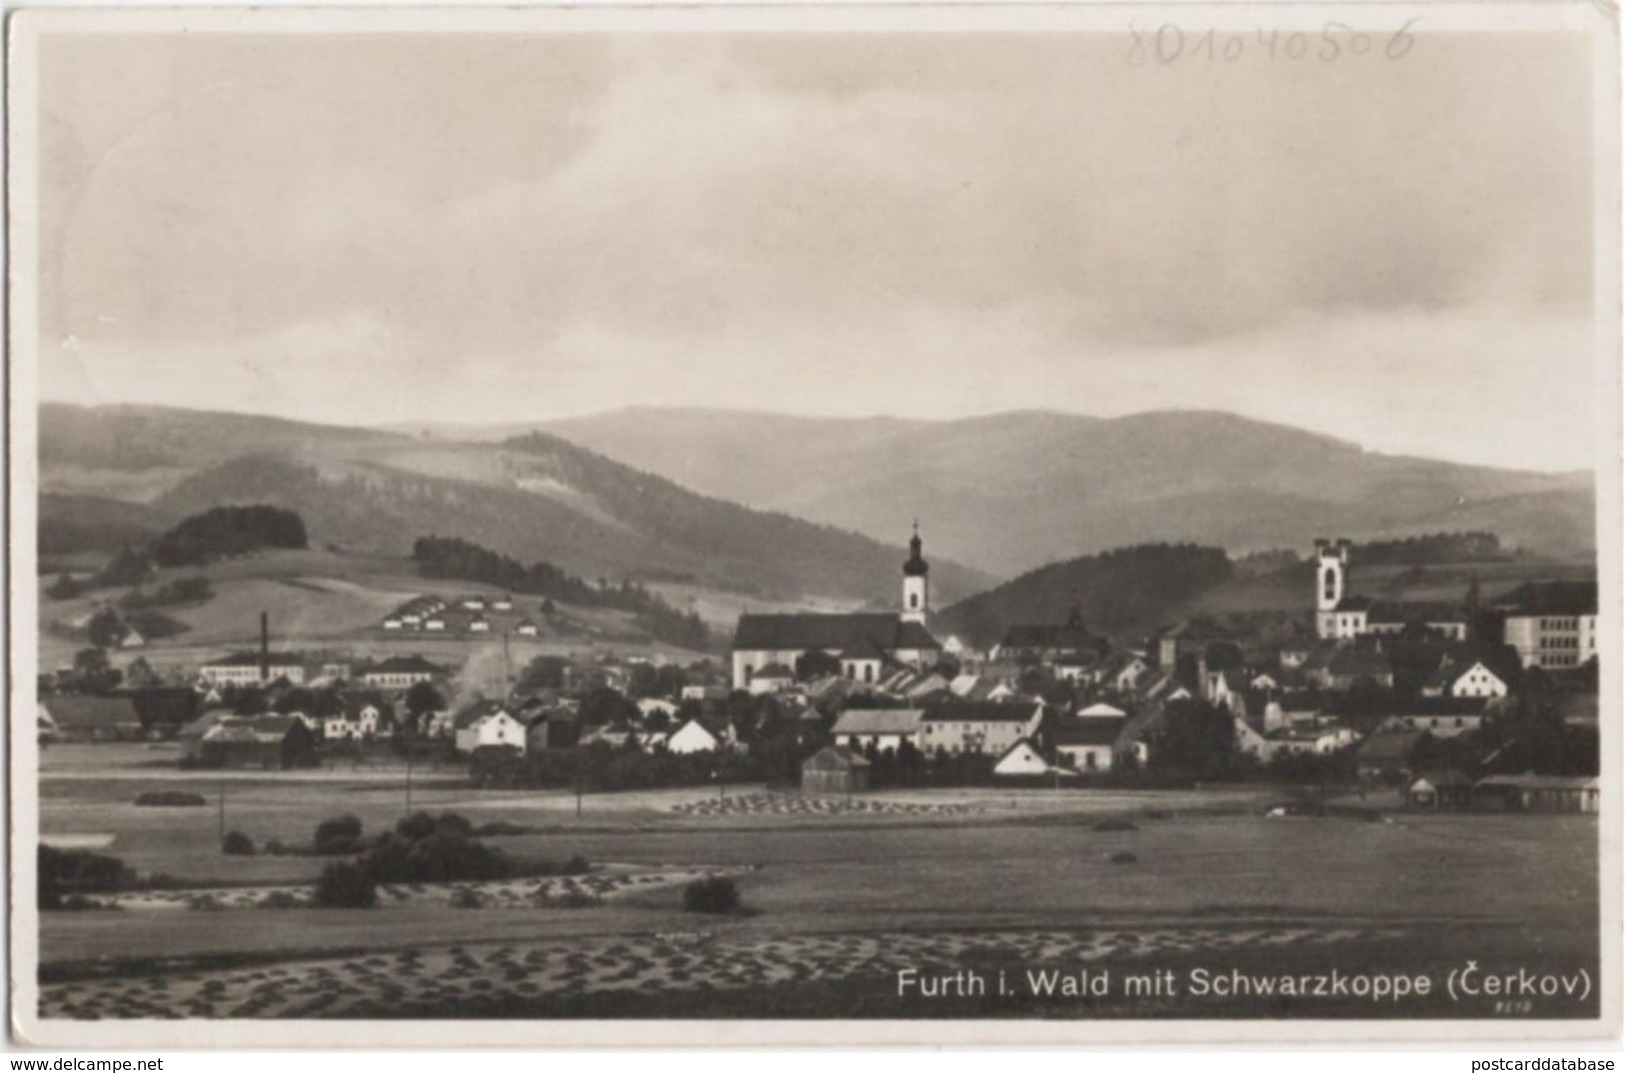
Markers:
{"x": 838, "y": 900}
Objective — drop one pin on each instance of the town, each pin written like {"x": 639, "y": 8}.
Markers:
{"x": 1486, "y": 702}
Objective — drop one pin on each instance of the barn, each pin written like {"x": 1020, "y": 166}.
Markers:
{"x": 82, "y": 718}
{"x": 834, "y": 769}
{"x": 1447, "y": 789}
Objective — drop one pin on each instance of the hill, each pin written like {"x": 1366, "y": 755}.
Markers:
{"x": 1013, "y": 491}
{"x": 534, "y": 498}
{"x": 1121, "y": 593}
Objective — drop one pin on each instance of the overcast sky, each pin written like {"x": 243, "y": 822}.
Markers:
{"x": 375, "y": 229}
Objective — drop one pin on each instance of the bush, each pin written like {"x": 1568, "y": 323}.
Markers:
{"x": 279, "y": 899}
{"x": 466, "y": 898}
{"x": 345, "y": 885}
{"x": 65, "y": 873}
{"x": 715, "y": 894}
{"x": 170, "y": 799}
{"x": 1123, "y": 858}
{"x": 1108, "y": 826}
{"x": 275, "y": 848}
{"x": 237, "y": 844}
{"x": 576, "y": 866}
{"x": 339, "y": 835}
{"x": 417, "y": 826}
{"x": 450, "y": 823}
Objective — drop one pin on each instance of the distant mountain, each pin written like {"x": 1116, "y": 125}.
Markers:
{"x": 1013, "y": 491}
{"x": 535, "y": 498}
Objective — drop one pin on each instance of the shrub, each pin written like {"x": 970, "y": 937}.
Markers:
{"x": 466, "y": 898}
{"x": 279, "y": 899}
{"x": 64, "y": 873}
{"x": 1115, "y": 825}
{"x": 576, "y": 866}
{"x": 1123, "y": 858}
{"x": 416, "y": 826}
{"x": 345, "y": 885}
{"x": 204, "y": 902}
{"x": 450, "y": 823}
{"x": 170, "y": 799}
{"x": 715, "y": 894}
{"x": 237, "y": 844}
{"x": 275, "y": 848}
{"x": 339, "y": 835}
{"x": 80, "y": 903}
{"x": 576, "y": 899}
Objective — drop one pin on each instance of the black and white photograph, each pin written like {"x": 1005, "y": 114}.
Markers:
{"x": 1033, "y": 524}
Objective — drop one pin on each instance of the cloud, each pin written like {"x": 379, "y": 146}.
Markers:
{"x": 910, "y": 224}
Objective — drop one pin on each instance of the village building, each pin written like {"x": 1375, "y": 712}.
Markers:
{"x": 75, "y": 718}
{"x": 488, "y": 723}
{"x": 1441, "y": 716}
{"x": 1551, "y": 625}
{"x": 1070, "y": 642}
{"x": 694, "y": 737}
{"x": 527, "y": 628}
{"x": 1095, "y": 743}
{"x": 1539, "y": 793}
{"x": 553, "y": 728}
{"x": 1390, "y": 757}
{"x": 1440, "y": 790}
{"x": 773, "y": 678}
{"x": 401, "y": 672}
{"x": 1465, "y": 679}
{"x": 1021, "y": 759}
{"x": 269, "y": 742}
{"x": 978, "y": 726}
{"x": 835, "y": 769}
{"x": 878, "y": 728}
{"x": 253, "y": 668}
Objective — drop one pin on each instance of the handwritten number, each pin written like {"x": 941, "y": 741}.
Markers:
{"x": 1402, "y": 41}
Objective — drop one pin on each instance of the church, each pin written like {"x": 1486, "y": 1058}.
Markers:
{"x": 865, "y": 643}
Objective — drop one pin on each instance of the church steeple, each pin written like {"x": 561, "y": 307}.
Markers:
{"x": 916, "y": 580}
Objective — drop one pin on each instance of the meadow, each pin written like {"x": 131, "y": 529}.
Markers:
{"x": 1004, "y": 879}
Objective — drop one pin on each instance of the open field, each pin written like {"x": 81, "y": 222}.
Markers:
{"x": 838, "y": 901}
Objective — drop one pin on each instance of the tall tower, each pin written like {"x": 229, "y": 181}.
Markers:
{"x": 1331, "y": 583}
{"x": 916, "y": 582}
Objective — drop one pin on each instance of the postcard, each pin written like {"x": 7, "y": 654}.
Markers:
{"x": 931, "y": 524}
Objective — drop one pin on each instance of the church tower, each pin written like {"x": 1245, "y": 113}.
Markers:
{"x": 916, "y": 582}
{"x": 1331, "y": 583}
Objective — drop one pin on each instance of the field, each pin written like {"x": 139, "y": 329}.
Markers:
{"x": 838, "y": 900}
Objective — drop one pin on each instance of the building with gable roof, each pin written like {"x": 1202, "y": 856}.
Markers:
{"x": 865, "y": 642}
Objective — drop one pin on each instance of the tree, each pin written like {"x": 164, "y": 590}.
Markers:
{"x": 816, "y": 664}
{"x": 65, "y": 587}
{"x": 105, "y": 629}
{"x": 1198, "y": 739}
{"x": 423, "y": 700}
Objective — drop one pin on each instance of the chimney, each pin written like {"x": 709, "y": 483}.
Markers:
{"x": 265, "y": 647}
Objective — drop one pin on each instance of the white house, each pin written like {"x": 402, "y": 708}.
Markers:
{"x": 479, "y": 624}
{"x": 978, "y": 726}
{"x": 773, "y": 678}
{"x": 1465, "y": 680}
{"x": 1021, "y": 759}
{"x": 527, "y": 628}
{"x": 884, "y": 728}
{"x": 487, "y": 722}
{"x": 692, "y": 737}
{"x": 243, "y": 668}
{"x": 401, "y": 672}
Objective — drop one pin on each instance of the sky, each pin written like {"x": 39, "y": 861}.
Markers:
{"x": 392, "y": 229}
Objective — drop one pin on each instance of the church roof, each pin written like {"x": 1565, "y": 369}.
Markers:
{"x": 838, "y": 633}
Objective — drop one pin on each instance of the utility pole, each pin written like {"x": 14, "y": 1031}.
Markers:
{"x": 409, "y": 779}
{"x": 221, "y": 812}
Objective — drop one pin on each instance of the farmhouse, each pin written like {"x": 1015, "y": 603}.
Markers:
{"x": 878, "y": 728}
{"x": 1021, "y": 759}
{"x": 401, "y": 672}
{"x": 1446, "y": 789}
{"x": 693, "y": 737}
{"x": 834, "y": 769}
{"x": 978, "y": 726}
{"x": 1390, "y": 756}
{"x": 271, "y": 742}
{"x": 1089, "y": 744}
{"x": 1464, "y": 679}
{"x": 488, "y": 722}
{"x": 1443, "y": 717}
{"x": 864, "y": 643}
{"x": 76, "y": 718}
